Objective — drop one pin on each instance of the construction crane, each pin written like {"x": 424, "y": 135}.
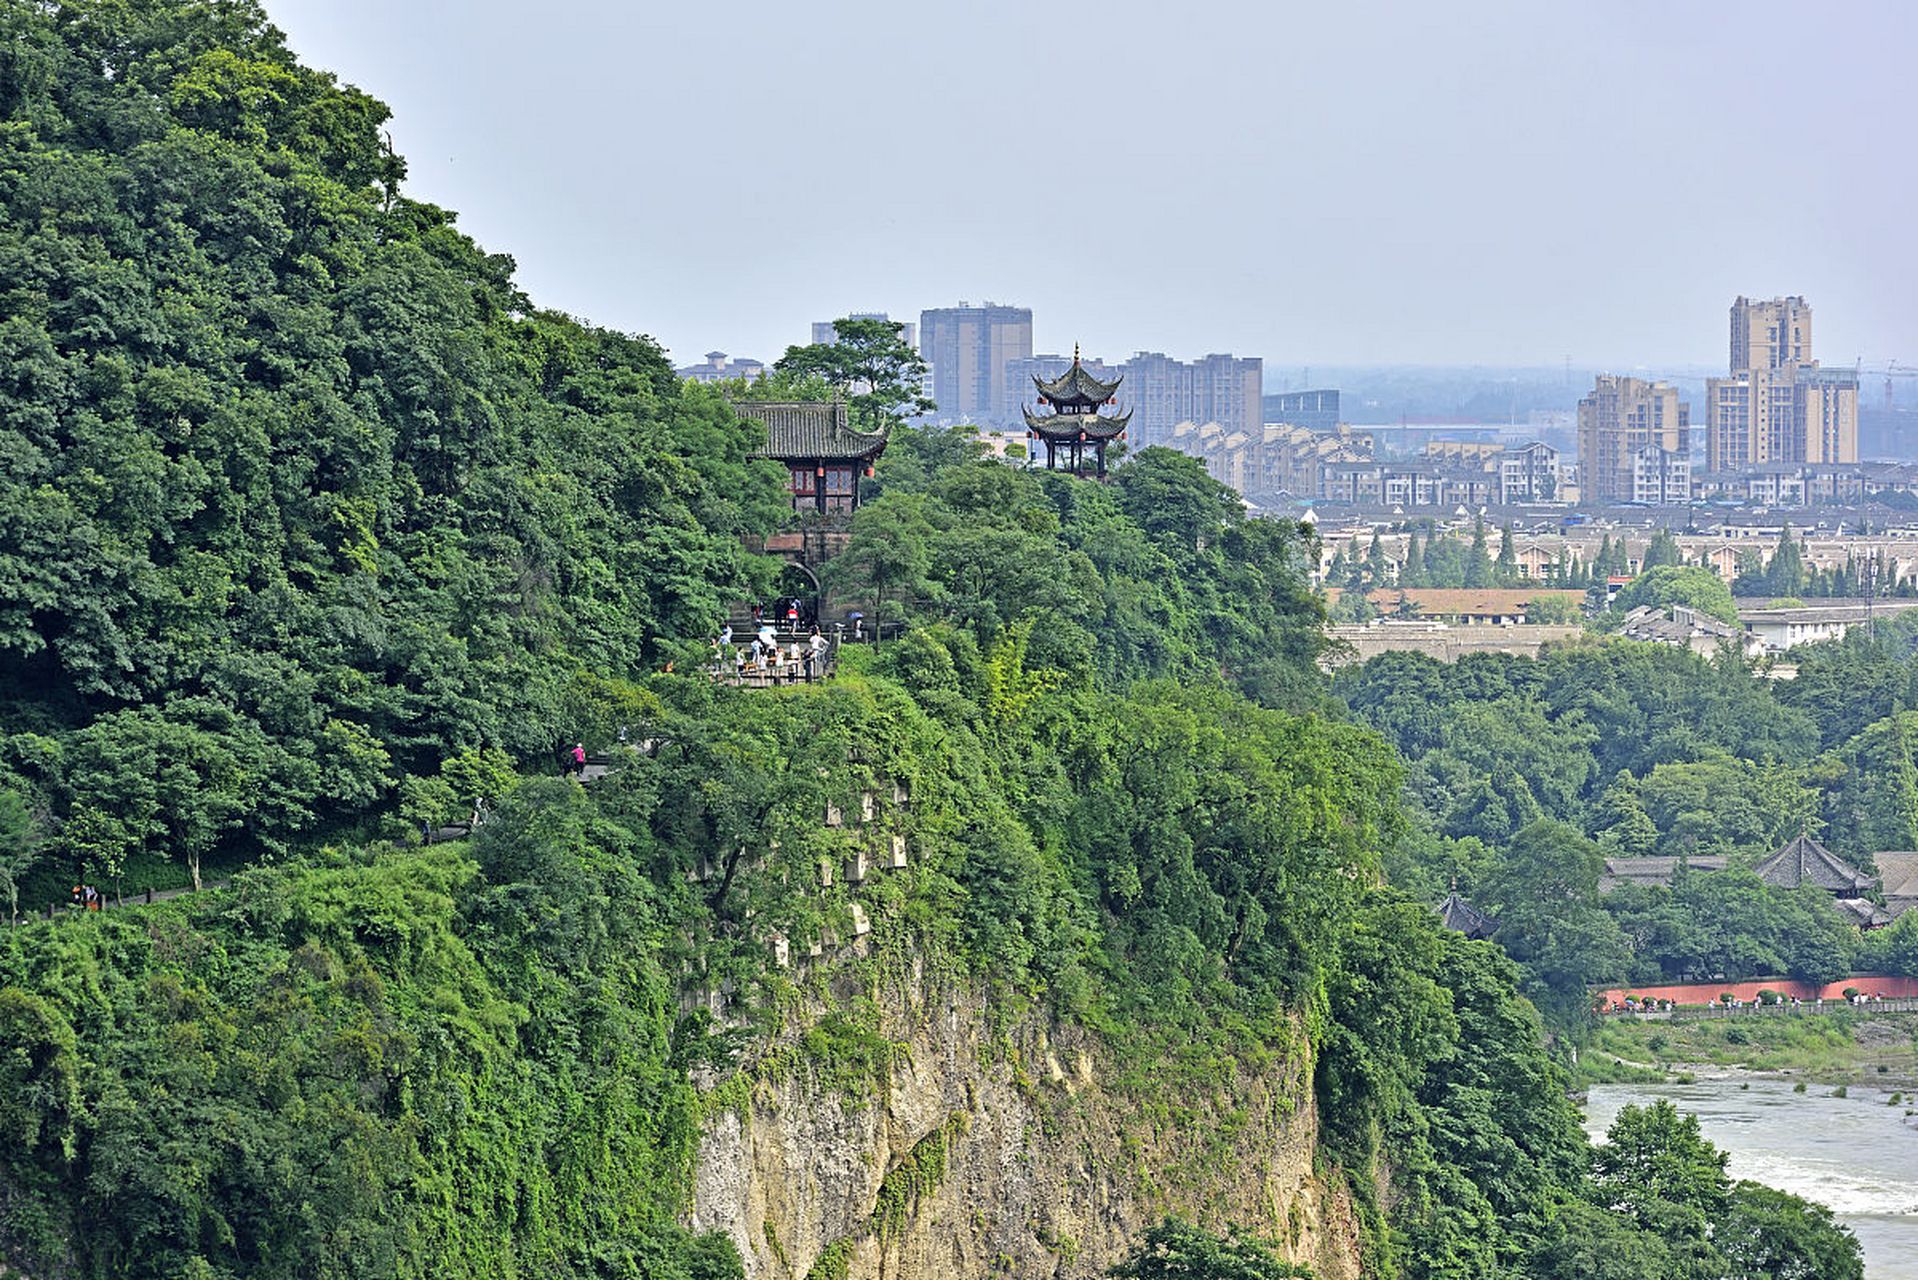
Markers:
{"x": 1893, "y": 369}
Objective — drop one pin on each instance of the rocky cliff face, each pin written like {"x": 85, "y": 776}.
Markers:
{"x": 1025, "y": 1151}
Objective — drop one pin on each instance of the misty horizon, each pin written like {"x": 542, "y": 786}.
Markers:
{"x": 1380, "y": 185}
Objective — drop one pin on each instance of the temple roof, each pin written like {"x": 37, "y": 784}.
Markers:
{"x": 810, "y": 429}
{"x": 1864, "y": 913}
{"x": 1897, "y": 873}
{"x": 1067, "y": 426}
{"x": 1076, "y": 386}
{"x": 1460, "y": 916}
{"x": 1805, "y": 861}
{"x": 1652, "y": 870}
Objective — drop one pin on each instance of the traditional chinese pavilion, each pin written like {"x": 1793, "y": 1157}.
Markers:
{"x": 1072, "y": 426}
{"x": 824, "y": 456}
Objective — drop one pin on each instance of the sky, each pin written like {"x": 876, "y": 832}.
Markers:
{"x": 1349, "y": 182}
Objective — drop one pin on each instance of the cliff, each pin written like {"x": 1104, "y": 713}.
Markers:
{"x": 1026, "y": 1149}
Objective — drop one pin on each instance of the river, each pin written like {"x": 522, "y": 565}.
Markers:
{"x": 1855, "y": 1154}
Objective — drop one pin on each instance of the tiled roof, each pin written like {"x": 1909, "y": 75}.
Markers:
{"x": 1076, "y": 386}
{"x": 1864, "y": 913}
{"x": 1898, "y": 873}
{"x": 1068, "y": 426}
{"x": 1805, "y": 861}
{"x": 1468, "y": 601}
{"x": 1457, "y": 914}
{"x": 1652, "y": 870}
{"x": 801, "y": 429}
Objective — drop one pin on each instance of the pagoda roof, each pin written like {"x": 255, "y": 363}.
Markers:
{"x": 1076, "y": 386}
{"x": 810, "y": 429}
{"x": 1460, "y": 916}
{"x": 1806, "y": 862}
{"x": 1068, "y": 426}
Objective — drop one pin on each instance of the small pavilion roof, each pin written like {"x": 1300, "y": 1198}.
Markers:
{"x": 1076, "y": 386}
{"x": 1805, "y": 861}
{"x": 1460, "y": 916}
{"x": 1067, "y": 426}
{"x": 810, "y": 429}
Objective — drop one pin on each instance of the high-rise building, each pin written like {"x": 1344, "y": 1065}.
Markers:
{"x": 1777, "y": 405}
{"x": 1618, "y": 423}
{"x": 1315, "y": 410}
{"x": 1164, "y": 392}
{"x": 970, "y": 349}
{"x": 824, "y": 336}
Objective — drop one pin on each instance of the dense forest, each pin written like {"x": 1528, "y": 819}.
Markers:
{"x": 313, "y": 530}
{"x": 1524, "y": 775}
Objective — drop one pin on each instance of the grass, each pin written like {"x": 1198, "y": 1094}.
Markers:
{"x": 1838, "y": 1047}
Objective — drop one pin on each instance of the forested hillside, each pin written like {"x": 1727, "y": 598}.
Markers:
{"x": 1524, "y": 775}
{"x": 312, "y": 529}
{"x": 300, "y": 494}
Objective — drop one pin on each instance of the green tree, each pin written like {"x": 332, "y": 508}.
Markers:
{"x": 1478, "y": 561}
{"x": 1174, "y": 1250}
{"x": 871, "y": 362}
{"x": 1699, "y": 589}
{"x": 887, "y": 558}
{"x": 1505, "y": 570}
{"x": 1543, "y": 890}
{"x": 19, "y": 845}
{"x": 1661, "y": 553}
{"x": 1785, "y": 575}
{"x": 1412, "y": 574}
{"x": 1657, "y": 1170}
{"x": 1376, "y": 571}
{"x": 1773, "y": 1235}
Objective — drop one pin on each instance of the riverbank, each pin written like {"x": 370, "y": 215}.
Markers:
{"x": 1843, "y": 1047}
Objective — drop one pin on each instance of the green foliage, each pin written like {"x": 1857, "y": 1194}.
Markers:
{"x": 301, "y": 494}
{"x": 1175, "y": 1250}
{"x": 1670, "y": 584}
{"x": 870, "y": 362}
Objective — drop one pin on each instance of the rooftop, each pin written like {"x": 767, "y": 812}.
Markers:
{"x": 809, "y": 429}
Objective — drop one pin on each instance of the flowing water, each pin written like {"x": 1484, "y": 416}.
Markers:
{"x": 1857, "y": 1155}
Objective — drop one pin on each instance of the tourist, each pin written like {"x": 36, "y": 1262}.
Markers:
{"x": 792, "y": 614}
{"x": 579, "y": 757}
{"x": 725, "y": 635}
{"x": 817, "y": 653}
{"x": 759, "y": 651}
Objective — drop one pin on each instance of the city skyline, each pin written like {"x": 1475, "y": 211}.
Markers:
{"x": 1336, "y": 197}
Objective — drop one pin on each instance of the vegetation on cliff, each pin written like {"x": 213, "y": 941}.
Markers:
{"x": 313, "y": 530}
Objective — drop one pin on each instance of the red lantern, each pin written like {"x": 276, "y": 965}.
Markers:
{"x": 821, "y": 473}
{"x": 868, "y": 473}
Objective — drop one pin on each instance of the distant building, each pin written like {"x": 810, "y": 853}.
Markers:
{"x": 720, "y": 369}
{"x": 1778, "y": 405}
{"x": 823, "y": 334}
{"x": 970, "y": 349}
{"x": 1618, "y": 422}
{"x": 1163, "y": 392}
{"x": 1313, "y": 410}
{"x": 1528, "y": 473}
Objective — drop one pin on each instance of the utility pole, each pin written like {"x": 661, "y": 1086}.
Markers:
{"x": 1871, "y": 582}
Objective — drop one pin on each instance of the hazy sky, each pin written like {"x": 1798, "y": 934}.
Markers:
{"x": 1335, "y": 182}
